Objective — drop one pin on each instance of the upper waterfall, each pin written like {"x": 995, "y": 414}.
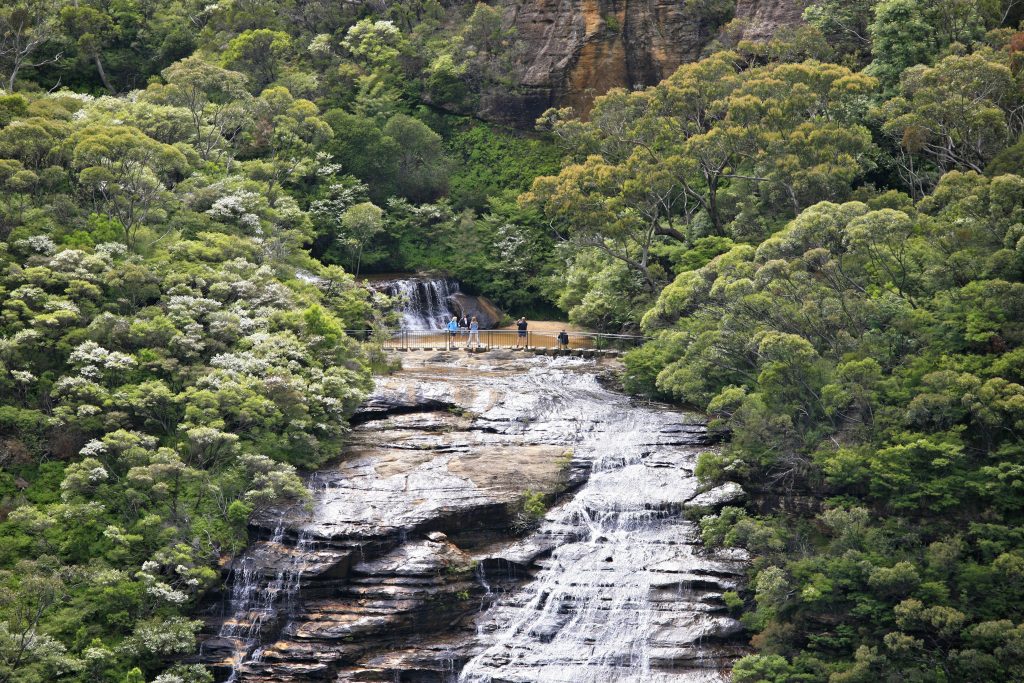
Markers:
{"x": 429, "y": 302}
{"x": 424, "y": 301}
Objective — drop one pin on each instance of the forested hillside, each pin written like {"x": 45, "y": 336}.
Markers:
{"x": 821, "y": 233}
{"x": 182, "y": 185}
{"x": 847, "y": 302}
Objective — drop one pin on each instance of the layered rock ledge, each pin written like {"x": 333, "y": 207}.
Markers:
{"x": 428, "y": 549}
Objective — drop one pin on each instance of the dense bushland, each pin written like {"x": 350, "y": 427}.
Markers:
{"x": 822, "y": 235}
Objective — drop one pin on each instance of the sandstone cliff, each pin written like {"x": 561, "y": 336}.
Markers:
{"x": 764, "y": 17}
{"x": 574, "y": 50}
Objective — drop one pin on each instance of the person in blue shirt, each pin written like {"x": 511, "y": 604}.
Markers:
{"x": 453, "y": 329}
{"x": 474, "y": 332}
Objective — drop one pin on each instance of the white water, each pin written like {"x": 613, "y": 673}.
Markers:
{"x": 613, "y": 601}
{"x": 255, "y": 601}
{"x": 424, "y": 302}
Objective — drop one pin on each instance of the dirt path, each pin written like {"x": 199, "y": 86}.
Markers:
{"x": 548, "y": 326}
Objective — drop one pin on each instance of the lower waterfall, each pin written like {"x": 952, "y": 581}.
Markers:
{"x": 423, "y": 558}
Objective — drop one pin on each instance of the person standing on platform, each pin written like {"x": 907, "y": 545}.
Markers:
{"x": 521, "y": 336}
{"x": 453, "y": 329}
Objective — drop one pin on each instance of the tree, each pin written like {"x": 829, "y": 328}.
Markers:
{"x": 365, "y": 151}
{"x": 956, "y": 115}
{"x": 900, "y": 37}
{"x": 482, "y": 54}
{"x": 673, "y": 161}
{"x": 270, "y": 483}
{"x": 92, "y": 29}
{"x": 127, "y": 171}
{"x": 33, "y": 140}
{"x": 360, "y": 223}
{"x": 585, "y": 199}
{"x": 259, "y": 54}
{"x": 844, "y": 22}
{"x": 885, "y": 238}
{"x": 376, "y": 44}
{"x": 422, "y": 167}
{"x": 26, "y": 594}
{"x": 25, "y": 28}
{"x": 217, "y": 99}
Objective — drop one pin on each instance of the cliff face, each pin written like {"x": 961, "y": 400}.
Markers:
{"x": 571, "y": 51}
{"x": 764, "y": 17}
{"x": 419, "y": 553}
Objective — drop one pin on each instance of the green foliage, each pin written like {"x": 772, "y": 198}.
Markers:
{"x": 844, "y": 23}
{"x": 710, "y": 152}
{"x": 844, "y": 357}
{"x": 900, "y": 37}
{"x": 531, "y": 509}
{"x": 162, "y": 371}
{"x": 361, "y": 222}
{"x": 258, "y": 54}
{"x": 934, "y": 137}
{"x": 827, "y": 259}
{"x": 421, "y": 165}
{"x": 487, "y": 163}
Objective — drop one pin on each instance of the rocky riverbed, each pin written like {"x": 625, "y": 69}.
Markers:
{"x": 496, "y": 517}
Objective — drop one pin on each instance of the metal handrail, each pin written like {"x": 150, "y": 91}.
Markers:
{"x": 491, "y": 339}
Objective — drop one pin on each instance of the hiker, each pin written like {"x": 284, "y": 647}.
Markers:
{"x": 563, "y": 340}
{"x": 463, "y": 325}
{"x": 521, "y": 337}
{"x": 474, "y": 331}
{"x": 453, "y": 329}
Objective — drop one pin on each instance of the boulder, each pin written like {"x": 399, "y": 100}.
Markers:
{"x": 487, "y": 314}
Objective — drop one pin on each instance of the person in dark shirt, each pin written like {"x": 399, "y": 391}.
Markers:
{"x": 563, "y": 340}
{"x": 521, "y": 336}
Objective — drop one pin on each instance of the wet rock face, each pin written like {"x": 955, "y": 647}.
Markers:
{"x": 575, "y": 50}
{"x": 420, "y": 562}
{"x": 480, "y": 307}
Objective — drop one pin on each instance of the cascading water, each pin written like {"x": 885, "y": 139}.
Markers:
{"x": 417, "y": 573}
{"x": 613, "y": 600}
{"x": 425, "y": 302}
{"x": 255, "y": 601}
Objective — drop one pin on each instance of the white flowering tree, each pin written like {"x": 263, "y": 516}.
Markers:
{"x": 163, "y": 376}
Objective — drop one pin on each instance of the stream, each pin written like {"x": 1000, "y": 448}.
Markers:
{"x": 497, "y": 517}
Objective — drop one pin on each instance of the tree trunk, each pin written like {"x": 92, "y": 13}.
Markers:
{"x": 103, "y": 74}
{"x": 716, "y": 221}
{"x": 670, "y": 232}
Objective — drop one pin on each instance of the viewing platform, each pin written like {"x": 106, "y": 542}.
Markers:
{"x": 585, "y": 344}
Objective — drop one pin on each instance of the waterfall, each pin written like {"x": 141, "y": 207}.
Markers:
{"x": 427, "y": 566}
{"x": 425, "y": 303}
{"x": 613, "y": 601}
{"x": 254, "y": 601}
